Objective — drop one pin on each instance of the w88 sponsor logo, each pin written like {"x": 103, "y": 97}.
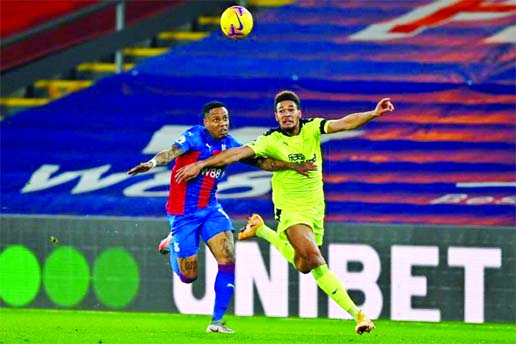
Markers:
{"x": 212, "y": 172}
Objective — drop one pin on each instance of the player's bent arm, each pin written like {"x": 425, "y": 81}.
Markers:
{"x": 269, "y": 164}
{"x": 167, "y": 155}
{"x": 161, "y": 158}
{"x": 355, "y": 120}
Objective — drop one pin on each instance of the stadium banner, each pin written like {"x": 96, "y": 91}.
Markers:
{"x": 404, "y": 272}
{"x": 444, "y": 156}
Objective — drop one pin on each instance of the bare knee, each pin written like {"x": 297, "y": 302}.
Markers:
{"x": 301, "y": 265}
{"x": 303, "y": 270}
{"x": 225, "y": 258}
{"x": 307, "y": 263}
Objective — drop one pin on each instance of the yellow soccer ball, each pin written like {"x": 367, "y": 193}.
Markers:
{"x": 236, "y": 22}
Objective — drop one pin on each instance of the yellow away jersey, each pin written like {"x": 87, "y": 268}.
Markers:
{"x": 290, "y": 190}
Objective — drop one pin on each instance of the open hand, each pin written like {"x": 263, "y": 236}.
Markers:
{"x": 303, "y": 167}
{"x": 142, "y": 167}
{"x": 187, "y": 172}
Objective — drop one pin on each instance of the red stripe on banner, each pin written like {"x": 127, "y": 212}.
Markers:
{"x": 441, "y": 52}
{"x": 408, "y": 113}
{"x": 421, "y": 134}
{"x": 461, "y": 95}
{"x": 438, "y": 219}
{"x": 501, "y": 197}
{"x": 369, "y": 197}
{"x": 380, "y": 177}
{"x": 430, "y": 39}
{"x": 439, "y": 16}
{"x": 494, "y": 8}
{"x": 439, "y": 55}
{"x": 208, "y": 183}
{"x": 178, "y": 191}
{"x": 450, "y": 116}
{"x": 470, "y": 156}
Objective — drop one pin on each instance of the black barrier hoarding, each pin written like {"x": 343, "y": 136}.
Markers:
{"x": 399, "y": 272}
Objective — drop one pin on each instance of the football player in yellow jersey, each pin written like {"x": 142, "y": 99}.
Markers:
{"x": 298, "y": 200}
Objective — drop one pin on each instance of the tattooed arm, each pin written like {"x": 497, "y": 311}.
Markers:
{"x": 269, "y": 164}
{"x": 162, "y": 158}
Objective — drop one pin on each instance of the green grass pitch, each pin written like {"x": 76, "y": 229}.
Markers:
{"x": 98, "y": 327}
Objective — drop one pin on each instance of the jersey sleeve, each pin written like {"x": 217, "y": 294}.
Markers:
{"x": 187, "y": 140}
{"x": 323, "y": 126}
{"x": 318, "y": 126}
{"x": 260, "y": 146}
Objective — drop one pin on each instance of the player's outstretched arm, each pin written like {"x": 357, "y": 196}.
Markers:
{"x": 162, "y": 158}
{"x": 224, "y": 158}
{"x": 355, "y": 120}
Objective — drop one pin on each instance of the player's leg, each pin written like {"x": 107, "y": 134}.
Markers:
{"x": 217, "y": 232}
{"x": 185, "y": 267}
{"x": 309, "y": 258}
{"x": 184, "y": 246}
{"x": 222, "y": 247}
{"x": 307, "y": 254}
{"x": 256, "y": 227}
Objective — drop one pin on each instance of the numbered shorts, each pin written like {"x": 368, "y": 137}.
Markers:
{"x": 186, "y": 229}
{"x": 313, "y": 217}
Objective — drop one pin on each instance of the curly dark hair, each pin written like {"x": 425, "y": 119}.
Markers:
{"x": 287, "y": 95}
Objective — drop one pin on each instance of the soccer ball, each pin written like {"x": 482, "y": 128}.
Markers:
{"x": 236, "y": 22}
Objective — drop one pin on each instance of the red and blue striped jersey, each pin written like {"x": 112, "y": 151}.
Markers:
{"x": 197, "y": 144}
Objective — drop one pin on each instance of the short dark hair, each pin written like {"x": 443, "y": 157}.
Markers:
{"x": 211, "y": 105}
{"x": 286, "y": 95}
